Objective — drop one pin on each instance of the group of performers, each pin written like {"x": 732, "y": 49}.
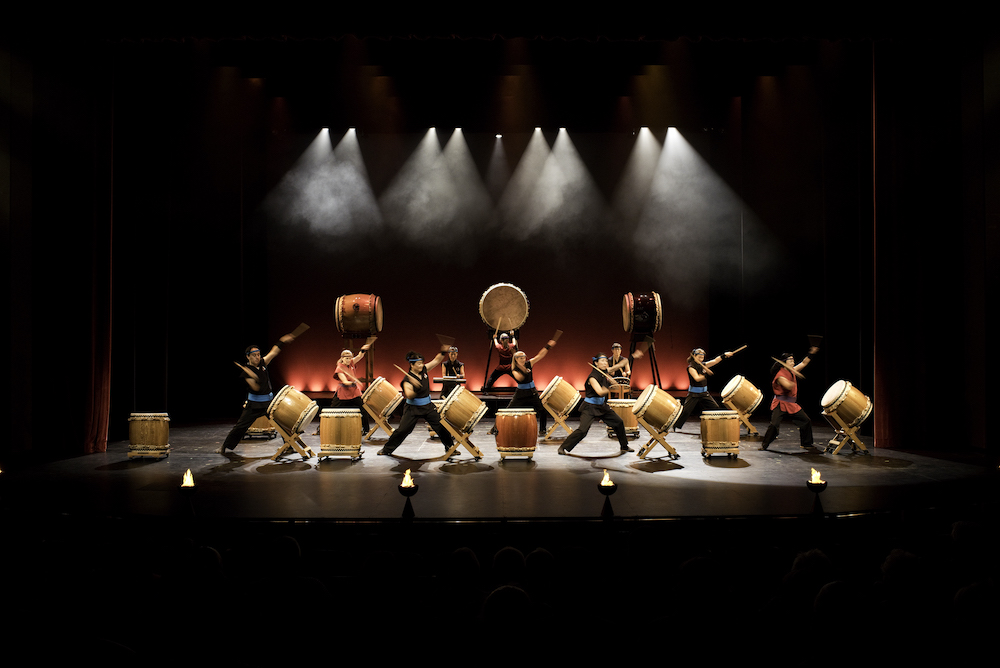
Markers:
{"x": 606, "y": 374}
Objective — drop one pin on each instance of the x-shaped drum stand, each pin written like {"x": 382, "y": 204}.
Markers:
{"x": 291, "y": 442}
{"x": 844, "y": 434}
{"x": 658, "y": 436}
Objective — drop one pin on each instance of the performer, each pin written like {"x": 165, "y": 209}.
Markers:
{"x": 595, "y": 407}
{"x": 506, "y": 347}
{"x": 452, "y": 367}
{"x": 619, "y": 366}
{"x": 526, "y": 395}
{"x": 698, "y": 395}
{"x": 416, "y": 389}
{"x": 255, "y": 373}
{"x": 786, "y": 389}
{"x": 349, "y": 388}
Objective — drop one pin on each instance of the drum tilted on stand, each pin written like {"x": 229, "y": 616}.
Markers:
{"x": 657, "y": 407}
{"x": 560, "y": 396}
{"x": 848, "y": 403}
{"x": 381, "y": 397}
{"x": 462, "y": 409}
{"x": 340, "y": 432}
{"x": 742, "y": 394}
{"x": 720, "y": 433}
{"x": 148, "y": 435}
{"x": 516, "y": 432}
{"x": 291, "y": 410}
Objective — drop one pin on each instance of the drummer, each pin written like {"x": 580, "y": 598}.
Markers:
{"x": 786, "y": 390}
{"x": 526, "y": 395}
{"x": 260, "y": 394}
{"x": 620, "y": 368}
{"x": 349, "y": 387}
{"x": 416, "y": 389}
{"x": 453, "y": 369}
{"x": 595, "y": 407}
{"x": 698, "y": 396}
{"x": 506, "y": 346}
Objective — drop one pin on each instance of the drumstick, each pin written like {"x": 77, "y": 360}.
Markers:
{"x": 300, "y": 330}
{"x": 790, "y": 368}
{"x": 609, "y": 377}
{"x": 413, "y": 379}
{"x": 651, "y": 342}
{"x": 247, "y": 369}
{"x": 370, "y": 340}
{"x": 445, "y": 340}
{"x": 739, "y": 349}
{"x": 555, "y": 337}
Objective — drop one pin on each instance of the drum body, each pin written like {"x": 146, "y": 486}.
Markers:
{"x": 381, "y": 397}
{"x": 560, "y": 396}
{"x": 340, "y": 430}
{"x": 517, "y": 429}
{"x": 848, "y": 403}
{"x": 720, "y": 432}
{"x": 358, "y": 314}
{"x": 291, "y": 410}
{"x": 462, "y": 409}
{"x": 503, "y": 307}
{"x": 642, "y": 312}
{"x": 623, "y": 409}
{"x": 148, "y": 434}
{"x": 657, "y": 407}
{"x": 742, "y": 394}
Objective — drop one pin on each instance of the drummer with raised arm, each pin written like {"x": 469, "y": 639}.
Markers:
{"x": 595, "y": 407}
{"x": 505, "y": 346}
{"x": 416, "y": 390}
{"x": 260, "y": 393}
{"x": 526, "y": 395}
{"x": 698, "y": 396}
{"x": 784, "y": 404}
{"x": 349, "y": 388}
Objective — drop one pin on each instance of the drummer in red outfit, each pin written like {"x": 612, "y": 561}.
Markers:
{"x": 786, "y": 388}
{"x": 349, "y": 388}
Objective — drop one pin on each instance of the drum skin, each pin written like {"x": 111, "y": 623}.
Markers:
{"x": 560, "y": 396}
{"x": 504, "y": 307}
{"x": 642, "y": 312}
{"x": 849, "y": 403}
{"x": 292, "y": 410}
{"x": 358, "y": 314}
{"x": 742, "y": 394}
{"x": 658, "y": 408}
{"x": 340, "y": 427}
{"x": 516, "y": 429}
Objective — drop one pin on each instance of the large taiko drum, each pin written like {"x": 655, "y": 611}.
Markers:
{"x": 340, "y": 430}
{"x": 148, "y": 434}
{"x": 560, "y": 396}
{"x": 503, "y": 307}
{"x": 848, "y": 403}
{"x": 742, "y": 394}
{"x": 517, "y": 430}
{"x": 720, "y": 432}
{"x": 358, "y": 314}
{"x": 657, "y": 407}
{"x": 381, "y": 397}
{"x": 642, "y": 312}
{"x": 291, "y": 410}
{"x": 462, "y": 409}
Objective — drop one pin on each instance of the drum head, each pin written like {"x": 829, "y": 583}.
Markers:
{"x": 503, "y": 306}
{"x": 731, "y": 386}
{"x": 835, "y": 392}
{"x": 642, "y": 312}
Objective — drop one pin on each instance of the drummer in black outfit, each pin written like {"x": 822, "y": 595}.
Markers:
{"x": 595, "y": 407}
{"x": 416, "y": 390}
{"x": 452, "y": 368}
{"x": 698, "y": 395}
{"x": 526, "y": 395}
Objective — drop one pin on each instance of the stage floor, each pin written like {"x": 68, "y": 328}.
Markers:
{"x": 249, "y": 484}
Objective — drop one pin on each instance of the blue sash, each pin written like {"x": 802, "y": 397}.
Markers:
{"x": 419, "y": 401}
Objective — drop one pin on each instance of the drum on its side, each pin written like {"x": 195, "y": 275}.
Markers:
{"x": 517, "y": 429}
{"x": 149, "y": 433}
{"x": 358, "y": 314}
{"x": 849, "y": 403}
{"x": 720, "y": 432}
{"x": 340, "y": 428}
{"x": 291, "y": 410}
{"x": 657, "y": 407}
{"x": 381, "y": 397}
{"x": 503, "y": 306}
{"x": 560, "y": 396}
{"x": 642, "y": 312}
{"x": 742, "y": 394}
{"x": 462, "y": 409}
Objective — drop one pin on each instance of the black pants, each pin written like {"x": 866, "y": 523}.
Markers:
{"x": 411, "y": 414}
{"x": 529, "y": 399}
{"x": 252, "y": 411}
{"x": 588, "y": 414}
{"x": 693, "y": 401}
{"x": 800, "y": 420}
{"x": 354, "y": 402}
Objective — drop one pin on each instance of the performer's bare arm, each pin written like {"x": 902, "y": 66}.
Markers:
{"x": 287, "y": 338}
{"x": 542, "y": 353}
{"x": 600, "y": 389}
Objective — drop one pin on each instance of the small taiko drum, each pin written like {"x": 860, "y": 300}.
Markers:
{"x": 560, "y": 396}
{"x": 742, "y": 395}
{"x": 462, "y": 409}
{"x": 517, "y": 430}
{"x": 720, "y": 433}
{"x": 657, "y": 408}
{"x": 340, "y": 432}
{"x": 623, "y": 409}
{"x": 291, "y": 410}
{"x": 148, "y": 435}
{"x": 358, "y": 314}
{"x": 642, "y": 312}
{"x": 847, "y": 402}
{"x": 381, "y": 397}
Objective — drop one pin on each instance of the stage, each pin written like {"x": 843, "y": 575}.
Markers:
{"x": 249, "y": 485}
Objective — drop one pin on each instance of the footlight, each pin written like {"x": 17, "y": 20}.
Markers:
{"x": 816, "y": 485}
{"x": 187, "y": 489}
{"x": 408, "y": 488}
{"x": 607, "y": 487}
